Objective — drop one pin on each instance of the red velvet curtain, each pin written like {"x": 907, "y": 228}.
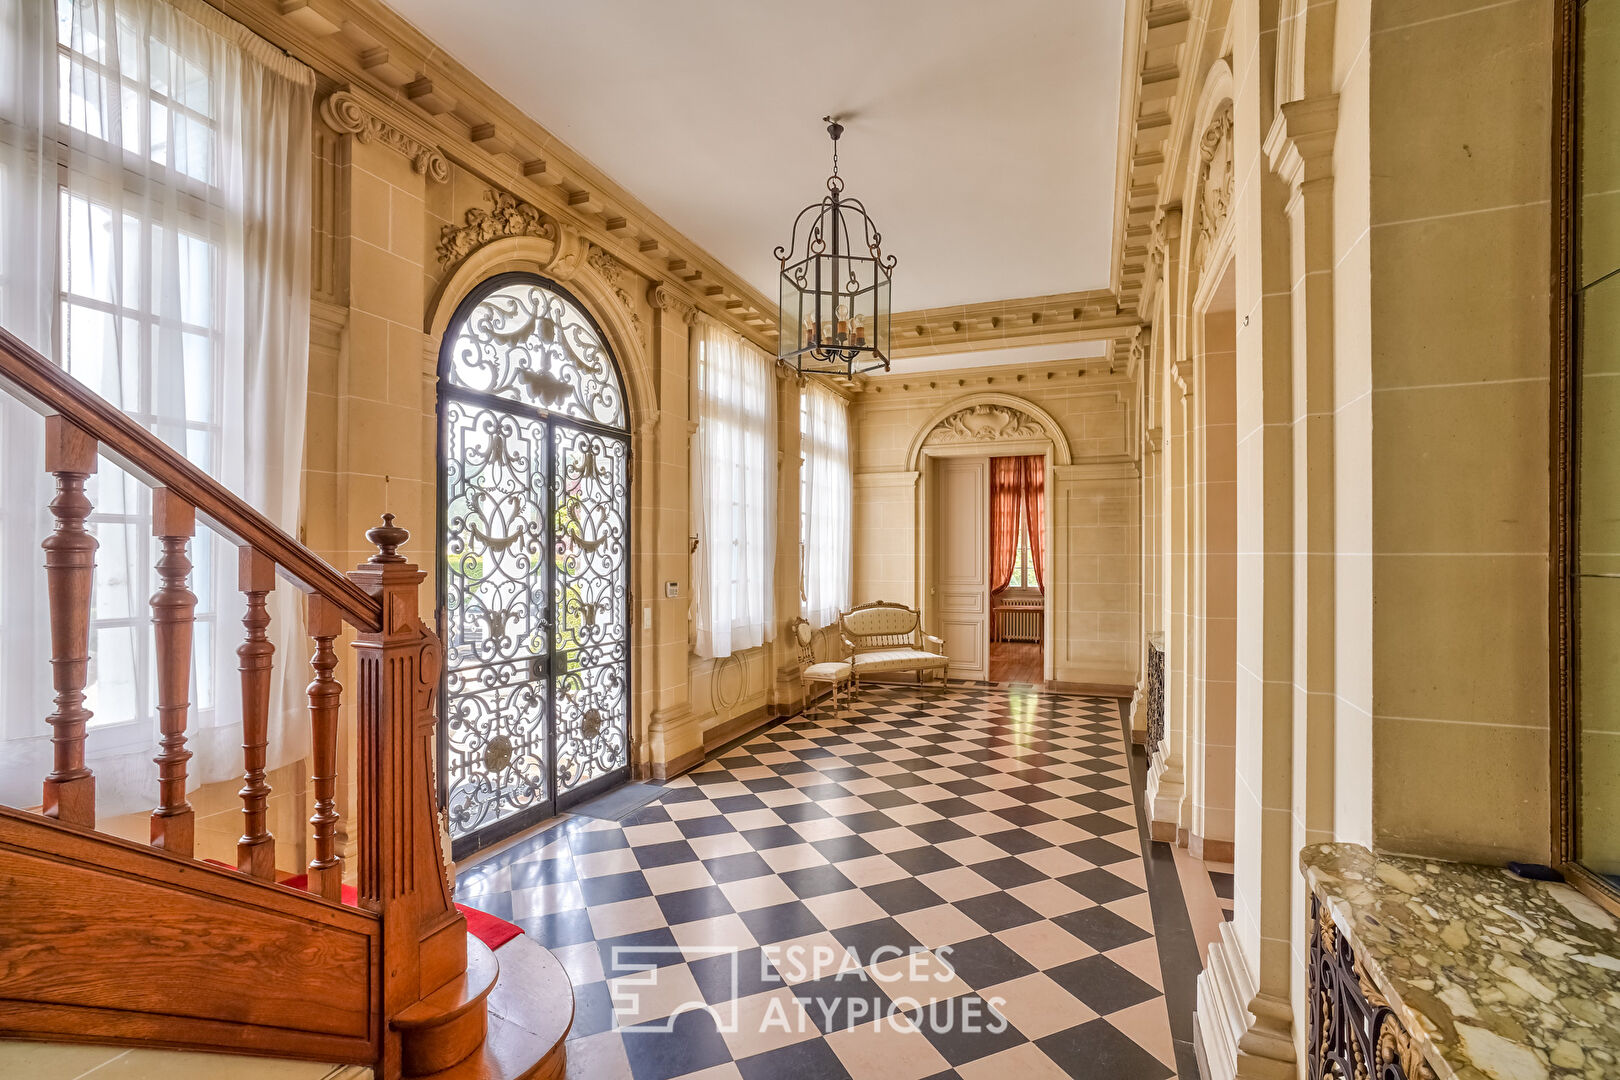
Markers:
{"x": 1006, "y": 501}
{"x": 1035, "y": 511}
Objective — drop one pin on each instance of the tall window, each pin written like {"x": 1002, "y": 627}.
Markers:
{"x": 734, "y": 493}
{"x": 825, "y": 509}
{"x": 154, "y": 195}
{"x": 1589, "y": 833}
{"x": 1023, "y": 574}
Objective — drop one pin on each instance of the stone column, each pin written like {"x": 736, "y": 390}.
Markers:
{"x": 1300, "y": 150}
{"x": 1244, "y": 1017}
{"x": 370, "y": 437}
{"x": 1166, "y": 785}
{"x": 786, "y": 693}
{"x": 674, "y": 736}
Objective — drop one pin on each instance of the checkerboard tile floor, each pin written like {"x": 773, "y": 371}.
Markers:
{"x": 941, "y": 884}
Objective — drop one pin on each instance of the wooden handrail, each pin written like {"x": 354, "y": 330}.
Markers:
{"x": 48, "y": 389}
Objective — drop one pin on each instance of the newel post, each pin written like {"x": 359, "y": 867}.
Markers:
{"x": 402, "y": 874}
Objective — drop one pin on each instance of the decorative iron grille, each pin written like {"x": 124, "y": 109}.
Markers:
{"x": 534, "y": 603}
{"x": 1155, "y": 695}
{"x": 1354, "y": 1034}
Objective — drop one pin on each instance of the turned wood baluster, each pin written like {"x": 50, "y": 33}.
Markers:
{"x": 326, "y": 868}
{"x": 256, "y": 850}
{"x": 70, "y": 568}
{"x": 174, "y": 606}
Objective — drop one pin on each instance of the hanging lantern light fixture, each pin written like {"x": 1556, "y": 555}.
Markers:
{"x": 835, "y": 285}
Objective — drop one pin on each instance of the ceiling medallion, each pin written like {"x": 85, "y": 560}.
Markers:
{"x": 834, "y": 285}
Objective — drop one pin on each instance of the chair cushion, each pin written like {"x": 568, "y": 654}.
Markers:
{"x": 830, "y": 671}
{"x": 898, "y": 660}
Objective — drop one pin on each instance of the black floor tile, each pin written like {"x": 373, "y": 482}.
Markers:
{"x": 842, "y": 1001}
{"x": 903, "y": 895}
{"x": 811, "y": 1059}
{"x": 875, "y": 941}
{"x": 691, "y": 905}
{"x": 611, "y": 888}
{"x": 781, "y": 922}
{"x": 816, "y": 881}
{"x": 984, "y": 961}
{"x": 1097, "y": 1048}
{"x": 1103, "y": 985}
{"x": 745, "y": 864}
{"x": 1101, "y": 928}
{"x": 997, "y": 911}
{"x": 690, "y": 1043}
{"x": 967, "y": 1028}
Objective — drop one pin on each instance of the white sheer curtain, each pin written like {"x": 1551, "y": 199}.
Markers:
{"x": 734, "y": 493}
{"x": 825, "y": 519}
{"x": 154, "y": 241}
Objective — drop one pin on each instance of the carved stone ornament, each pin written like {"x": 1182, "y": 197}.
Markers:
{"x": 612, "y": 272}
{"x": 570, "y": 254}
{"x": 507, "y": 215}
{"x": 1215, "y": 179}
{"x": 346, "y": 114}
{"x": 985, "y": 423}
{"x": 664, "y": 298}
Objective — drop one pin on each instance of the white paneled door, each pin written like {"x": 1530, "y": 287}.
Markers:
{"x": 961, "y": 528}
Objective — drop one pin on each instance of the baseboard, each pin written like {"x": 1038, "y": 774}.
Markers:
{"x": 1219, "y": 851}
{"x": 737, "y": 726}
{"x": 669, "y": 770}
{"x": 1113, "y": 690}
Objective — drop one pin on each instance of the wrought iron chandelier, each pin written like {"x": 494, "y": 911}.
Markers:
{"x": 835, "y": 285}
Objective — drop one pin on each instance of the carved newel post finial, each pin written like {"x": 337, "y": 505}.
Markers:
{"x": 388, "y": 538}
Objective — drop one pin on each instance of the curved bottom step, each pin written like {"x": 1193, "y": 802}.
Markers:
{"x": 531, "y": 1008}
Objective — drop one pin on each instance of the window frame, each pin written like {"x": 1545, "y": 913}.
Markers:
{"x": 93, "y": 168}
{"x": 1564, "y": 763}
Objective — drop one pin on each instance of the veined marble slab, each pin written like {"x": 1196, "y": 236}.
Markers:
{"x": 1494, "y": 976}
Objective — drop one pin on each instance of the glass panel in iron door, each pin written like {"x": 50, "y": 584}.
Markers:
{"x": 496, "y": 616}
{"x": 590, "y": 592}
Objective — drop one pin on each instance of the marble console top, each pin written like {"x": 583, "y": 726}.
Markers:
{"x": 1494, "y": 976}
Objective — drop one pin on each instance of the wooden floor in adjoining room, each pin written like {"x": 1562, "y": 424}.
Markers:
{"x": 1016, "y": 662}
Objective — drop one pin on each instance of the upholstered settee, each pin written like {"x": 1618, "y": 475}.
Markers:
{"x": 884, "y": 637}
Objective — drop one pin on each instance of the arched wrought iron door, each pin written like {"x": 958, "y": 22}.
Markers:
{"x": 534, "y": 602}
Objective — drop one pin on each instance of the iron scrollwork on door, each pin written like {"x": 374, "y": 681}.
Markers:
{"x": 589, "y": 595}
{"x": 534, "y": 474}
{"x": 1354, "y": 1034}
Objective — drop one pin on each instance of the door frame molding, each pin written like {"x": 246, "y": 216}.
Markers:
{"x": 1052, "y": 445}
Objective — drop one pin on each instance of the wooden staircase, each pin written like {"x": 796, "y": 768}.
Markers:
{"x": 106, "y": 940}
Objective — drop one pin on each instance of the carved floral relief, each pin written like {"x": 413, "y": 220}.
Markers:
{"x": 507, "y": 215}
{"x": 985, "y": 423}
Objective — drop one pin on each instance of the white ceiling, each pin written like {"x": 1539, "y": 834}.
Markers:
{"x": 981, "y": 136}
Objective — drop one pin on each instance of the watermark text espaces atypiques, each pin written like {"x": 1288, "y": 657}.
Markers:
{"x": 645, "y": 998}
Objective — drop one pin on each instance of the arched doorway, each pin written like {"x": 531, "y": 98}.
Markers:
{"x": 534, "y": 508}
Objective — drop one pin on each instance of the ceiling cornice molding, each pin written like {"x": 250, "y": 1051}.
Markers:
{"x": 1032, "y": 320}
{"x": 1151, "y": 93}
{"x": 1088, "y": 375}
{"x": 360, "y": 45}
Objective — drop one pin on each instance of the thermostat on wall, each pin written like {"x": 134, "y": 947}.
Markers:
{"x": 672, "y": 589}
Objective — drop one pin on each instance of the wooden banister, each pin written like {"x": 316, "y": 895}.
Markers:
{"x": 256, "y": 850}
{"x": 70, "y": 569}
{"x": 174, "y": 608}
{"x": 391, "y": 984}
{"x": 48, "y": 389}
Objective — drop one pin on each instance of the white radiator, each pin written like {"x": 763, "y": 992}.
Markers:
{"x": 1018, "y": 623}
